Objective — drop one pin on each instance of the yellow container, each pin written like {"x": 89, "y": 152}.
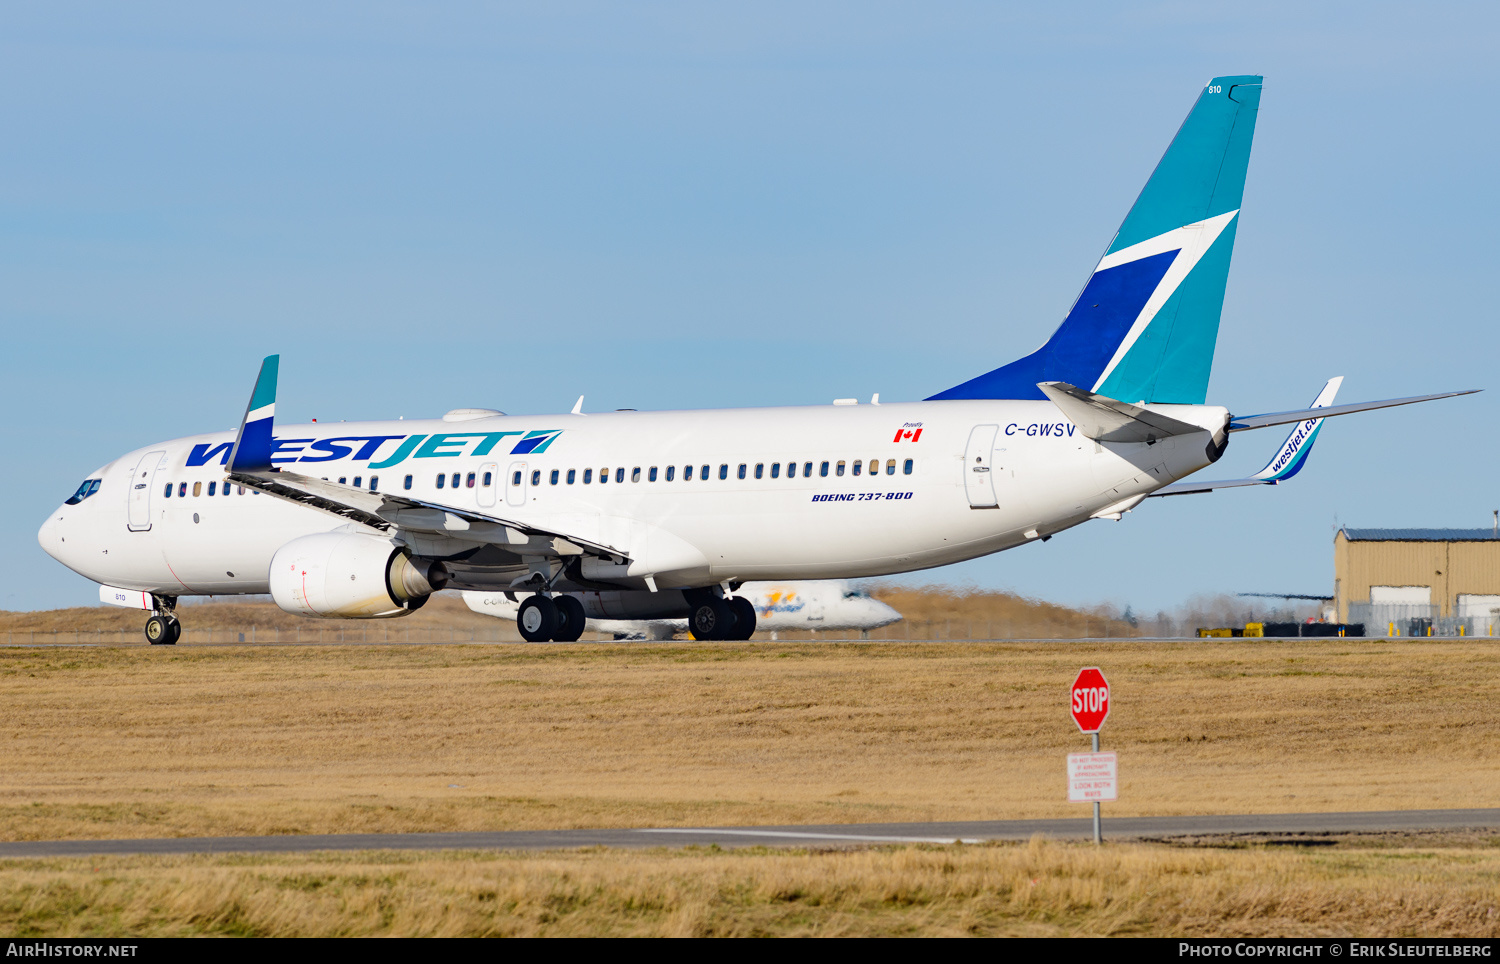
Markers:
{"x": 1255, "y": 629}
{"x": 1215, "y": 633}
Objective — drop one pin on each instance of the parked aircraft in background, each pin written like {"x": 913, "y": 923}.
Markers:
{"x": 368, "y": 519}
{"x": 823, "y": 604}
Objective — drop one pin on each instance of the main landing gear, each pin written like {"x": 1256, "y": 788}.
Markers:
{"x": 719, "y": 617}
{"x": 556, "y": 618}
{"x": 163, "y": 629}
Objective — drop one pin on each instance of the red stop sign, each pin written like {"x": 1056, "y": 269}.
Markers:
{"x": 1090, "y": 700}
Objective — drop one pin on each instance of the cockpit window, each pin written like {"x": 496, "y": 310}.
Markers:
{"x": 856, "y": 594}
{"x": 88, "y": 488}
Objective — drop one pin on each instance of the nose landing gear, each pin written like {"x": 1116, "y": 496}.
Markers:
{"x": 163, "y": 629}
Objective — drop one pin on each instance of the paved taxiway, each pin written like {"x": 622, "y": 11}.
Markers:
{"x": 828, "y": 835}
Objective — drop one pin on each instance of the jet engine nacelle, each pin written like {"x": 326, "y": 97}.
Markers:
{"x": 351, "y": 575}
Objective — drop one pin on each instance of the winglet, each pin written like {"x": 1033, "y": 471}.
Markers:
{"x": 1292, "y": 455}
{"x": 252, "y": 447}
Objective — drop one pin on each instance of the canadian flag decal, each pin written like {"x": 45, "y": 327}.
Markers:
{"x": 909, "y": 432}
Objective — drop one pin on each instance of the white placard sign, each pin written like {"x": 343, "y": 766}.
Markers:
{"x": 1093, "y": 777}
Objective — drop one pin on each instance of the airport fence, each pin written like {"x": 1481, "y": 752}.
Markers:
{"x": 1421, "y": 619}
{"x": 357, "y": 633}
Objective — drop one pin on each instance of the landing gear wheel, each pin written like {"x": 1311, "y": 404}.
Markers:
{"x": 174, "y": 629}
{"x": 744, "y": 618}
{"x": 570, "y": 619}
{"x": 712, "y": 619}
{"x": 537, "y": 619}
{"x": 159, "y": 631}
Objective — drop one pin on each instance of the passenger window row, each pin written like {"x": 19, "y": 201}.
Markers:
{"x": 652, "y": 474}
{"x": 705, "y": 472}
{"x": 359, "y": 481}
{"x": 484, "y": 480}
{"x": 214, "y": 488}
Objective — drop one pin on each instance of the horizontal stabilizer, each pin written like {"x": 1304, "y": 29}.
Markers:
{"x": 1238, "y": 424}
{"x": 1105, "y": 419}
{"x": 1193, "y": 488}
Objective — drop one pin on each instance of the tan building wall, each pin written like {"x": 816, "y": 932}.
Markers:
{"x": 1450, "y": 568}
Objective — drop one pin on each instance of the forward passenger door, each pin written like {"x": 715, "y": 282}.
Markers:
{"x": 142, "y": 481}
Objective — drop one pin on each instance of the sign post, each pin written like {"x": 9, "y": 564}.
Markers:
{"x": 1092, "y": 776}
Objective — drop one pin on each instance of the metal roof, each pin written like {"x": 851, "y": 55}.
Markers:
{"x": 1420, "y": 535}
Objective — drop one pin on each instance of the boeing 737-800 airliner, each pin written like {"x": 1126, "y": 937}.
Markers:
{"x": 673, "y": 511}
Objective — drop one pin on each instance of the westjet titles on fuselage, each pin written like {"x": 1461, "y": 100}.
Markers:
{"x": 361, "y": 448}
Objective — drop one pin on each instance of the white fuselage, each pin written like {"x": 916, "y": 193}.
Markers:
{"x": 979, "y": 477}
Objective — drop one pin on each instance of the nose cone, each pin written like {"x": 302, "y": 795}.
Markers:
{"x": 53, "y": 538}
{"x": 50, "y": 537}
{"x": 880, "y": 614}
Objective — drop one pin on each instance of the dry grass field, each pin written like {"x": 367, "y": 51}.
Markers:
{"x": 1040, "y": 889}
{"x": 203, "y": 740}
{"x": 135, "y": 741}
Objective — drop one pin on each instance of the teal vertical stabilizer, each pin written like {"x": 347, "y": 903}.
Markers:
{"x": 1144, "y": 327}
{"x": 1201, "y": 177}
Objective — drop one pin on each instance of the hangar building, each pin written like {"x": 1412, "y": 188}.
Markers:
{"x": 1418, "y": 582}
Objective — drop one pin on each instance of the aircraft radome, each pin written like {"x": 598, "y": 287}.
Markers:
{"x": 677, "y": 510}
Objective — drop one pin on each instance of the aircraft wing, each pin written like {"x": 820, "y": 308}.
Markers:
{"x": 1192, "y": 488}
{"x": 386, "y": 511}
{"x": 1288, "y": 460}
{"x": 250, "y": 466}
{"x": 1242, "y": 423}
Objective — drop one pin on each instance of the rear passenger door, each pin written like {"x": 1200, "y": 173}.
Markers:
{"x": 979, "y": 480}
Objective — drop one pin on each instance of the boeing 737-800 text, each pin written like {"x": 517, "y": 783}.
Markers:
{"x": 675, "y": 510}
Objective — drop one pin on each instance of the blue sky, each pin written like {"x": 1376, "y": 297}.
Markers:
{"x": 710, "y": 205}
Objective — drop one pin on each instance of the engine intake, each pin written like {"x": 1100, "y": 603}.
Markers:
{"x": 352, "y": 575}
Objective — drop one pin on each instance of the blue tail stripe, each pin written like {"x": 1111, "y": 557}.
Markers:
{"x": 1078, "y": 351}
{"x": 253, "y": 454}
{"x": 1170, "y": 362}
